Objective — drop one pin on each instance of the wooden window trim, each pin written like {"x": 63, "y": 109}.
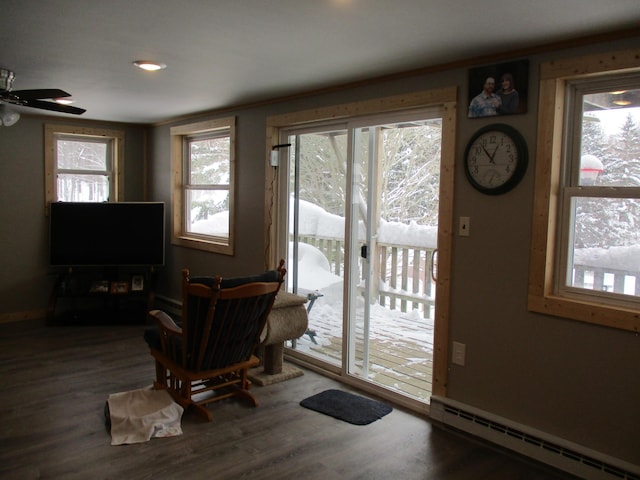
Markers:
{"x": 178, "y": 235}
{"x": 542, "y": 297}
{"x": 50, "y": 133}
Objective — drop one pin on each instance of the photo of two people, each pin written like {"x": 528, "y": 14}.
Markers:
{"x": 500, "y": 89}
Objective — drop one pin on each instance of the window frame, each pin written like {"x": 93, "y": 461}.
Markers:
{"x": 555, "y": 154}
{"x": 573, "y": 190}
{"x": 180, "y": 136}
{"x": 115, "y": 152}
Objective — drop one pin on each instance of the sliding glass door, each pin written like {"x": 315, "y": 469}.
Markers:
{"x": 362, "y": 240}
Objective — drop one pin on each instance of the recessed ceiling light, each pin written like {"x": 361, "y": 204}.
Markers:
{"x": 149, "y": 66}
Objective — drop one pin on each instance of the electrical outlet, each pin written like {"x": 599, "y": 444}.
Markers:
{"x": 464, "y": 229}
{"x": 459, "y": 353}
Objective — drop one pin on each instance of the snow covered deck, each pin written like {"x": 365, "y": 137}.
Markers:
{"x": 400, "y": 349}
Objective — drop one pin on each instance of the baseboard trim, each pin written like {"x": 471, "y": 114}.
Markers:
{"x": 21, "y": 316}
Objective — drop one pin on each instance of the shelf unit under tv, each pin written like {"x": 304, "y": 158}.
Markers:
{"x": 102, "y": 295}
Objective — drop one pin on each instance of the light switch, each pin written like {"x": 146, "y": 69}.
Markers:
{"x": 465, "y": 227}
{"x": 459, "y": 353}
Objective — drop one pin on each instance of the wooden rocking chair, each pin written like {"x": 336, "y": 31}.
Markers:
{"x": 207, "y": 357}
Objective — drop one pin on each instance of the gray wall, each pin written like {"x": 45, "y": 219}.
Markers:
{"x": 25, "y": 278}
{"x": 574, "y": 380}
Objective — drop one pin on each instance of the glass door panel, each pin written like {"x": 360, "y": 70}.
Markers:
{"x": 316, "y": 232}
{"x": 394, "y": 222}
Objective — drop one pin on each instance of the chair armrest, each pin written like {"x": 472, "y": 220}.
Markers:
{"x": 165, "y": 322}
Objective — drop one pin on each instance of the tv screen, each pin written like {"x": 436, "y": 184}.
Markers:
{"x": 106, "y": 234}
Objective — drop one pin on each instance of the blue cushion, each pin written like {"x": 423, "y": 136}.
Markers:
{"x": 268, "y": 276}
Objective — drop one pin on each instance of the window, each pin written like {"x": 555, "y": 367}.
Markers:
{"x": 83, "y": 164}
{"x": 585, "y": 258}
{"x": 203, "y": 179}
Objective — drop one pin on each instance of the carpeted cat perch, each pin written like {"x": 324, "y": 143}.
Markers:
{"x": 288, "y": 320}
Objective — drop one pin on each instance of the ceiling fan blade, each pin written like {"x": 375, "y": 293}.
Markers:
{"x": 54, "y": 107}
{"x": 37, "y": 94}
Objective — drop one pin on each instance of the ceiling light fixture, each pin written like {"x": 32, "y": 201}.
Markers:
{"x": 621, "y": 98}
{"x": 63, "y": 101}
{"x": 149, "y": 65}
{"x": 8, "y": 116}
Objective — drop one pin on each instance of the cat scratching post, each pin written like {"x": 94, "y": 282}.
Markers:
{"x": 288, "y": 320}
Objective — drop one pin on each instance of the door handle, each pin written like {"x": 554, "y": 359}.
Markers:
{"x": 363, "y": 251}
{"x": 434, "y": 270}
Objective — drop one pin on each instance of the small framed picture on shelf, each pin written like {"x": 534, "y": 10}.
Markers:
{"x": 119, "y": 287}
{"x": 99, "y": 286}
{"x": 137, "y": 283}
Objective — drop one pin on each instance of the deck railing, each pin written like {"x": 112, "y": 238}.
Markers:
{"x": 405, "y": 274}
{"x": 607, "y": 279}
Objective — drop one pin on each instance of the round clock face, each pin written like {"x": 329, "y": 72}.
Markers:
{"x": 496, "y": 159}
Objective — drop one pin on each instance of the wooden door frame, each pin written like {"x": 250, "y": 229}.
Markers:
{"x": 275, "y": 205}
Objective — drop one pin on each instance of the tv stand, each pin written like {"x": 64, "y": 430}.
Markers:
{"x": 102, "y": 295}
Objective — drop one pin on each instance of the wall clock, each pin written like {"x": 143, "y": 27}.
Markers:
{"x": 495, "y": 159}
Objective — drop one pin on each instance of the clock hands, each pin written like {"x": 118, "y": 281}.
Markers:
{"x": 489, "y": 155}
{"x": 494, "y": 153}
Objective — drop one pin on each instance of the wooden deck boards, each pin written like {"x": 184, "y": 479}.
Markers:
{"x": 400, "y": 351}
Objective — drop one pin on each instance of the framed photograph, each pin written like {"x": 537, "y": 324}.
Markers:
{"x": 137, "y": 283}
{"x": 500, "y": 89}
{"x": 100, "y": 286}
{"x": 119, "y": 287}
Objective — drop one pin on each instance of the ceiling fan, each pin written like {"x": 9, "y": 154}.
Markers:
{"x": 30, "y": 98}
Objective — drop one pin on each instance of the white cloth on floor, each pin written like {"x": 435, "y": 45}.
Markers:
{"x": 140, "y": 415}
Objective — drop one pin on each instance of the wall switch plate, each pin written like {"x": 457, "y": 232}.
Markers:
{"x": 464, "y": 229}
{"x": 459, "y": 353}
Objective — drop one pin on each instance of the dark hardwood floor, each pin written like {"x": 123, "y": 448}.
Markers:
{"x": 55, "y": 380}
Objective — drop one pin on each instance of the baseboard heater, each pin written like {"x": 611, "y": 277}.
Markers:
{"x": 543, "y": 447}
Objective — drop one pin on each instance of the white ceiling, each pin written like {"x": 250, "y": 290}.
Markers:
{"x": 221, "y": 53}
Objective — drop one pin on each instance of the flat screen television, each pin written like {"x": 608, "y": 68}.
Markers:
{"x": 106, "y": 234}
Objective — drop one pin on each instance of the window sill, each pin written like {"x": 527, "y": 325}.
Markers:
{"x": 201, "y": 244}
{"x": 589, "y": 312}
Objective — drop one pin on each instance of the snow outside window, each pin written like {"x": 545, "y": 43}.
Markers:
{"x": 84, "y": 167}
{"x": 207, "y": 185}
{"x": 601, "y": 191}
